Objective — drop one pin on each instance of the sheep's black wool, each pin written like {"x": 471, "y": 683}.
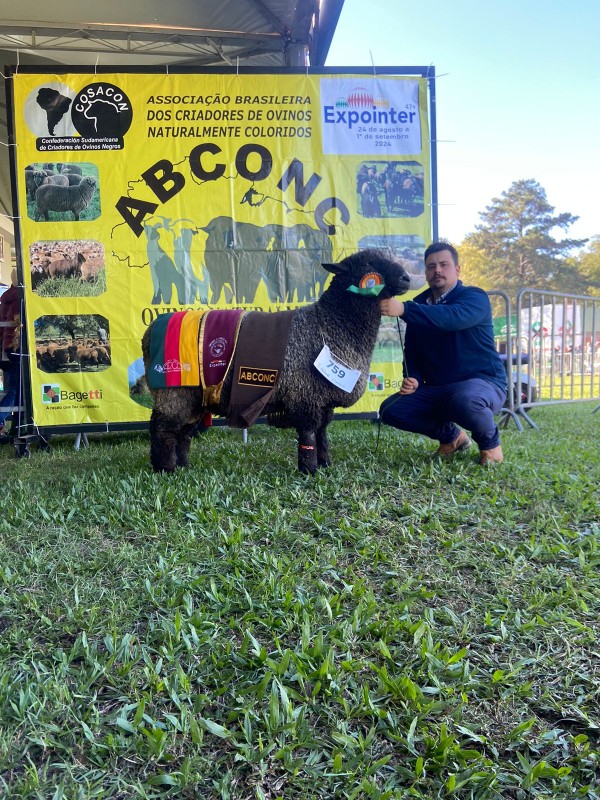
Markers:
{"x": 346, "y": 318}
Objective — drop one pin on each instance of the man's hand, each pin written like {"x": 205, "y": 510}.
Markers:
{"x": 391, "y": 307}
{"x": 409, "y": 385}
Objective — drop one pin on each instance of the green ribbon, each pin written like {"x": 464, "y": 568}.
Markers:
{"x": 368, "y": 291}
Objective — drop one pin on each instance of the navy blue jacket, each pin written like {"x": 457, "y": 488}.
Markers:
{"x": 452, "y": 340}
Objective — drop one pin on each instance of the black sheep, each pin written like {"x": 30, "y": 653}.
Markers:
{"x": 346, "y": 318}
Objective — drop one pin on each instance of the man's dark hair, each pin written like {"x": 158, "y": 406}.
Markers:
{"x": 437, "y": 247}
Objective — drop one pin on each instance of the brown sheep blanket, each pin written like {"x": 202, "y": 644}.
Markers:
{"x": 197, "y": 348}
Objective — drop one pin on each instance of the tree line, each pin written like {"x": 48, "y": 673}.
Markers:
{"x": 522, "y": 243}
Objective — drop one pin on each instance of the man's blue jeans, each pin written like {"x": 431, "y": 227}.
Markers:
{"x": 435, "y": 411}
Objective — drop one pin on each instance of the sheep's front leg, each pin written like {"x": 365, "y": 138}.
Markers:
{"x": 184, "y": 440}
{"x": 323, "y": 455}
{"x": 307, "y": 452}
{"x": 164, "y": 436}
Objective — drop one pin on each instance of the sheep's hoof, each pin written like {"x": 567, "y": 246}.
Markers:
{"x": 306, "y": 470}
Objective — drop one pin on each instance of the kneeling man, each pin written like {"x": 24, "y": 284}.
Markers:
{"x": 454, "y": 375}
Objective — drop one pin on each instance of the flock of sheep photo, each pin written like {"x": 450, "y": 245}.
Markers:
{"x": 67, "y": 268}
{"x": 389, "y": 189}
{"x": 61, "y": 192}
{"x": 72, "y": 343}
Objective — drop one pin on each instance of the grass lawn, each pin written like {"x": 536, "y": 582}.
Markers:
{"x": 396, "y": 627}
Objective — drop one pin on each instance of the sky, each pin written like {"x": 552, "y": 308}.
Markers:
{"x": 517, "y": 96}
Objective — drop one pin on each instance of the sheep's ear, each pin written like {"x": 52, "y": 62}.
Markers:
{"x": 337, "y": 269}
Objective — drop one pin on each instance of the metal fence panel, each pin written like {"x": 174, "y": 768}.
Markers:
{"x": 558, "y": 344}
{"x": 507, "y": 344}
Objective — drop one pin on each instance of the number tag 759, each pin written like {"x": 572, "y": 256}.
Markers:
{"x": 337, "y": 373}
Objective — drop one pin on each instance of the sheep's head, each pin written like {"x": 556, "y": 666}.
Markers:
{"x": 372, "y": 272}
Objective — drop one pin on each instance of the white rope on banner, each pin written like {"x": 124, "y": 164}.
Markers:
{"x": 16, "y": 68}
{"x": 96, "y": 64}
{"x": 441, "y": 74}
{"x": 373, "y": 63}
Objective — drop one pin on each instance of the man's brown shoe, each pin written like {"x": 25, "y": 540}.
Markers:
{"x": 462, "y": 442}
{"x": 493, "y": 456}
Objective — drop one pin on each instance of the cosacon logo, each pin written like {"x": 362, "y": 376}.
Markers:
{"x": 102, "y": 109}
{"x": 52, "y": 393}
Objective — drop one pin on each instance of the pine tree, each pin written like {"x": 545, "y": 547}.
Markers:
{"x": 588, "y": 263}
{"x": 516, "y": 238}
{"x": 474, "y": 266}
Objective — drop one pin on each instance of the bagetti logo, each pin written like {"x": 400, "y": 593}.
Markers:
{"x": 50, "y": 393}
{"x": 102, "y": 110}
{"x": 376, "y": 382}
{"x": 80, "y": 397}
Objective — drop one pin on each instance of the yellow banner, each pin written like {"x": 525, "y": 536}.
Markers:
{"x": 144, "y": 193}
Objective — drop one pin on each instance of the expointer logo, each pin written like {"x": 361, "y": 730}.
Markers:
{"x": 376, "y": 116}
{"x": 390, "y": 118}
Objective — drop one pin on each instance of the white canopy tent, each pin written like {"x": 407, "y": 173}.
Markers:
{"x": 190, "y": 33}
